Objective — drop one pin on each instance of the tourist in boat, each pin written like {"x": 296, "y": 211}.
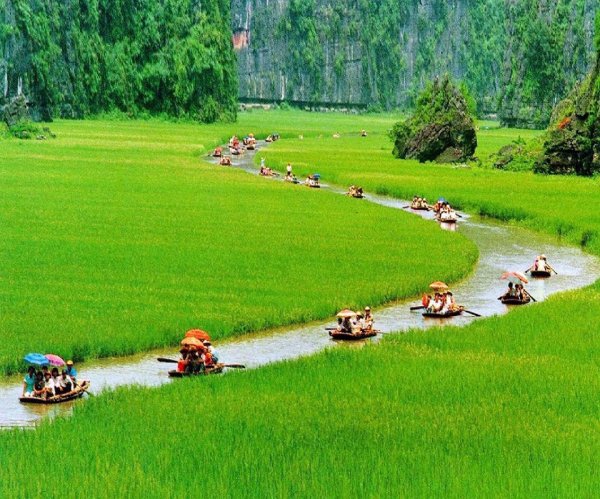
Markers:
{"x": 368, "y": 319}
{"x": 71, "y": 371}
{"x": 363, "y": 133}
{"x": 218, "y": 152}
{"x": 207, "y": 359}
{"x": 39, "y": 388}
{"x": 449, "y": 302}
{"x": 358, "y": 323}
{"x": 344, "y": 325}
{"x": 64, "y": 384}
{"x": 194, "y": 364}
{"x": 49, "y": 387}
{"x": 511, "y": 292}
{"x": 288, "y": 168}
{"x": 29, "y": 382}
{"x": 520, "y": 292}
{"x": 208, "y": 345}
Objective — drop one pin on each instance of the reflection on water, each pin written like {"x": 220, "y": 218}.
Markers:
{"x": 502, "y": 247}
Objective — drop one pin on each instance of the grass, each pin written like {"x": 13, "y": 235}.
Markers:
{"x": 507, "y": 406}
{"x": 499, "y": 408}
{"x": 558, "y": 205}
{"x": 116, "y": 238}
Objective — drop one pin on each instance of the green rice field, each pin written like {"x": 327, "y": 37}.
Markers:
{"x": 500, "y": 408}
{"x": 116, "y": 233}
{"x": 117, "y": 237}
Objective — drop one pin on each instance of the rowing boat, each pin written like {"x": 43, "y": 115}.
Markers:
{"x": 57, "y": 399}
{"x": 338, "y": 335}
{"x": 540, "y": 273}
{"x": 211, "y": 370}
{"x": 419, "y": 208}
{"x": 437, "y": 315}
{"x": 515, "y": 301}
{"x": 447, "y": 220}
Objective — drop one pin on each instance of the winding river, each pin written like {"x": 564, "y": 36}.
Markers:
{"x": 502, "y": 247}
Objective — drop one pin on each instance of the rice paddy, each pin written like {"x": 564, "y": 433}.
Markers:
{"x": 505, "y": 407}
{"x": 117, "y": 237}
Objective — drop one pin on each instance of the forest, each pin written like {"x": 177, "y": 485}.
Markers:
{"x": 74, "y": 58}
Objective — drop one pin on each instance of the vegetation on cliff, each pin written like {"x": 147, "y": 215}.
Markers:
{"x": 517, "y": 58}
{"x": 78, "y": 58}
{"x": 441, "y": 128}
{"x": 572, "y": 143}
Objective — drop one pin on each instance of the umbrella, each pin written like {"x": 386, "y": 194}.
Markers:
{"x": 191, "y": 342}
{"x": 198, "y": 334}
{"x": 36, "y": 359}
{"x": 442, "y": 200}
{"x": 346, "y": 313}
{"x": 55, "y": 360}
{"x": 515, "y": 277}
{"x": 439, "y": 286}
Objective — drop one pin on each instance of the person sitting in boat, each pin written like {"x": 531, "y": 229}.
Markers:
{"x": 288, "y": 169}
{"x": 336, "y": 135}
{"x": 511, "y": 292}
{"x": 363, "y": 133}
{"x": 368, "y": 319}
{"x": 207, "y": 359}
{"x": 344, "y": 325}
{"x": 218, "y": 152}
{"x": 436, "y": 305}
{"x": 450, "y": 303}
{"x": 194, "y": 364}
{"x": 208, "y": 345}
{"x": 541, "y": 264}
{"x": 358, "y": 323}
{"x": 64, "y": 383}
{"x": 39, "y": 388}
{"x": 29, "y": 382}
{"x": 520, "y": 292}
{"x": 352, "y": 190}
{"x": 359, "y": 192}
{"x": 49, "y": 388}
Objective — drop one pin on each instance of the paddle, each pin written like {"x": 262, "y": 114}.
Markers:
{"x": 472, "y": 313}
{"x": 163, "y": 359}
{"x": 407, "y": 206}
{"x": 552, "y": 269}
{"x": 420, "y": 307}
{"x": 235, "y": 366}
{"x": 527, "y": 293}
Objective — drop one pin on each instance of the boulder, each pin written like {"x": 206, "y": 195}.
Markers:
{"x": 16, "y": 111}
{"x": 572, "y": 142}
{"x": 442, "y": 128}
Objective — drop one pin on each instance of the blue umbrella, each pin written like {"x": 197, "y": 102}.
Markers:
{"x": 442, "y": 200}
{"x": 36, "y": 359}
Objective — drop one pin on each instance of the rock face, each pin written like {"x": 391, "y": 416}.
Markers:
{"x": 16, "y": 111}
{"x": 442, "y": 128}
{"x": 572, "y": 144}
{"x": 516, "y": 56}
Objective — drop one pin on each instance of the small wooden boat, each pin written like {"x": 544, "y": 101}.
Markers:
{"x": 57, "y": 399}
{"x": 337, "y": 335}
{"x": 211, "y": 370}
{"x": 447, "y": 220}
{"x": 437, "y": 315}
{"x": 515, "y": 301}
{"x": 540, "y": 273}
{"x": 250, "y": 147}
{"x": 419, "y": 208}
{"x": 357, "y": 196}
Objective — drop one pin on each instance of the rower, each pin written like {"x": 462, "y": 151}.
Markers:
{"x": 357, "y": 323}
{"x": 71, "y": 371}
{"x": 368, "y": 320}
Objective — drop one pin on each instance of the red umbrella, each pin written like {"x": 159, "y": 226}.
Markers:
{"x": 198, "y": 334}
{"x": 515, "y": 277}
{"x": 55, "y": 360}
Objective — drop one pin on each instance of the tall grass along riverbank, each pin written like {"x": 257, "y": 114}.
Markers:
{"x": 117, "y": 237}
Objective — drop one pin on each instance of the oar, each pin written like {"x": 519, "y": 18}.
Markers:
{"x": 235, "y": 366}
{"x": 472, "y": 313}
{"x": 407, "y": 206}
{"x": 527, "y": 293}
{"x": 163, "y": 359}
{"x": 420, "y": 307}
{"x": 552, "y": 269}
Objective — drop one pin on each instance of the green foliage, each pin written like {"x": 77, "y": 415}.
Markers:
{"x": 506, "y": 404}
{"x": 168, "y": 56}
{"x": 441, "y": 120}
{"x": 117, "y": 236}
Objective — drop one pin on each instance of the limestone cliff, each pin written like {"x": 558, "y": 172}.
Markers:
{"x": 516, "y": 56}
